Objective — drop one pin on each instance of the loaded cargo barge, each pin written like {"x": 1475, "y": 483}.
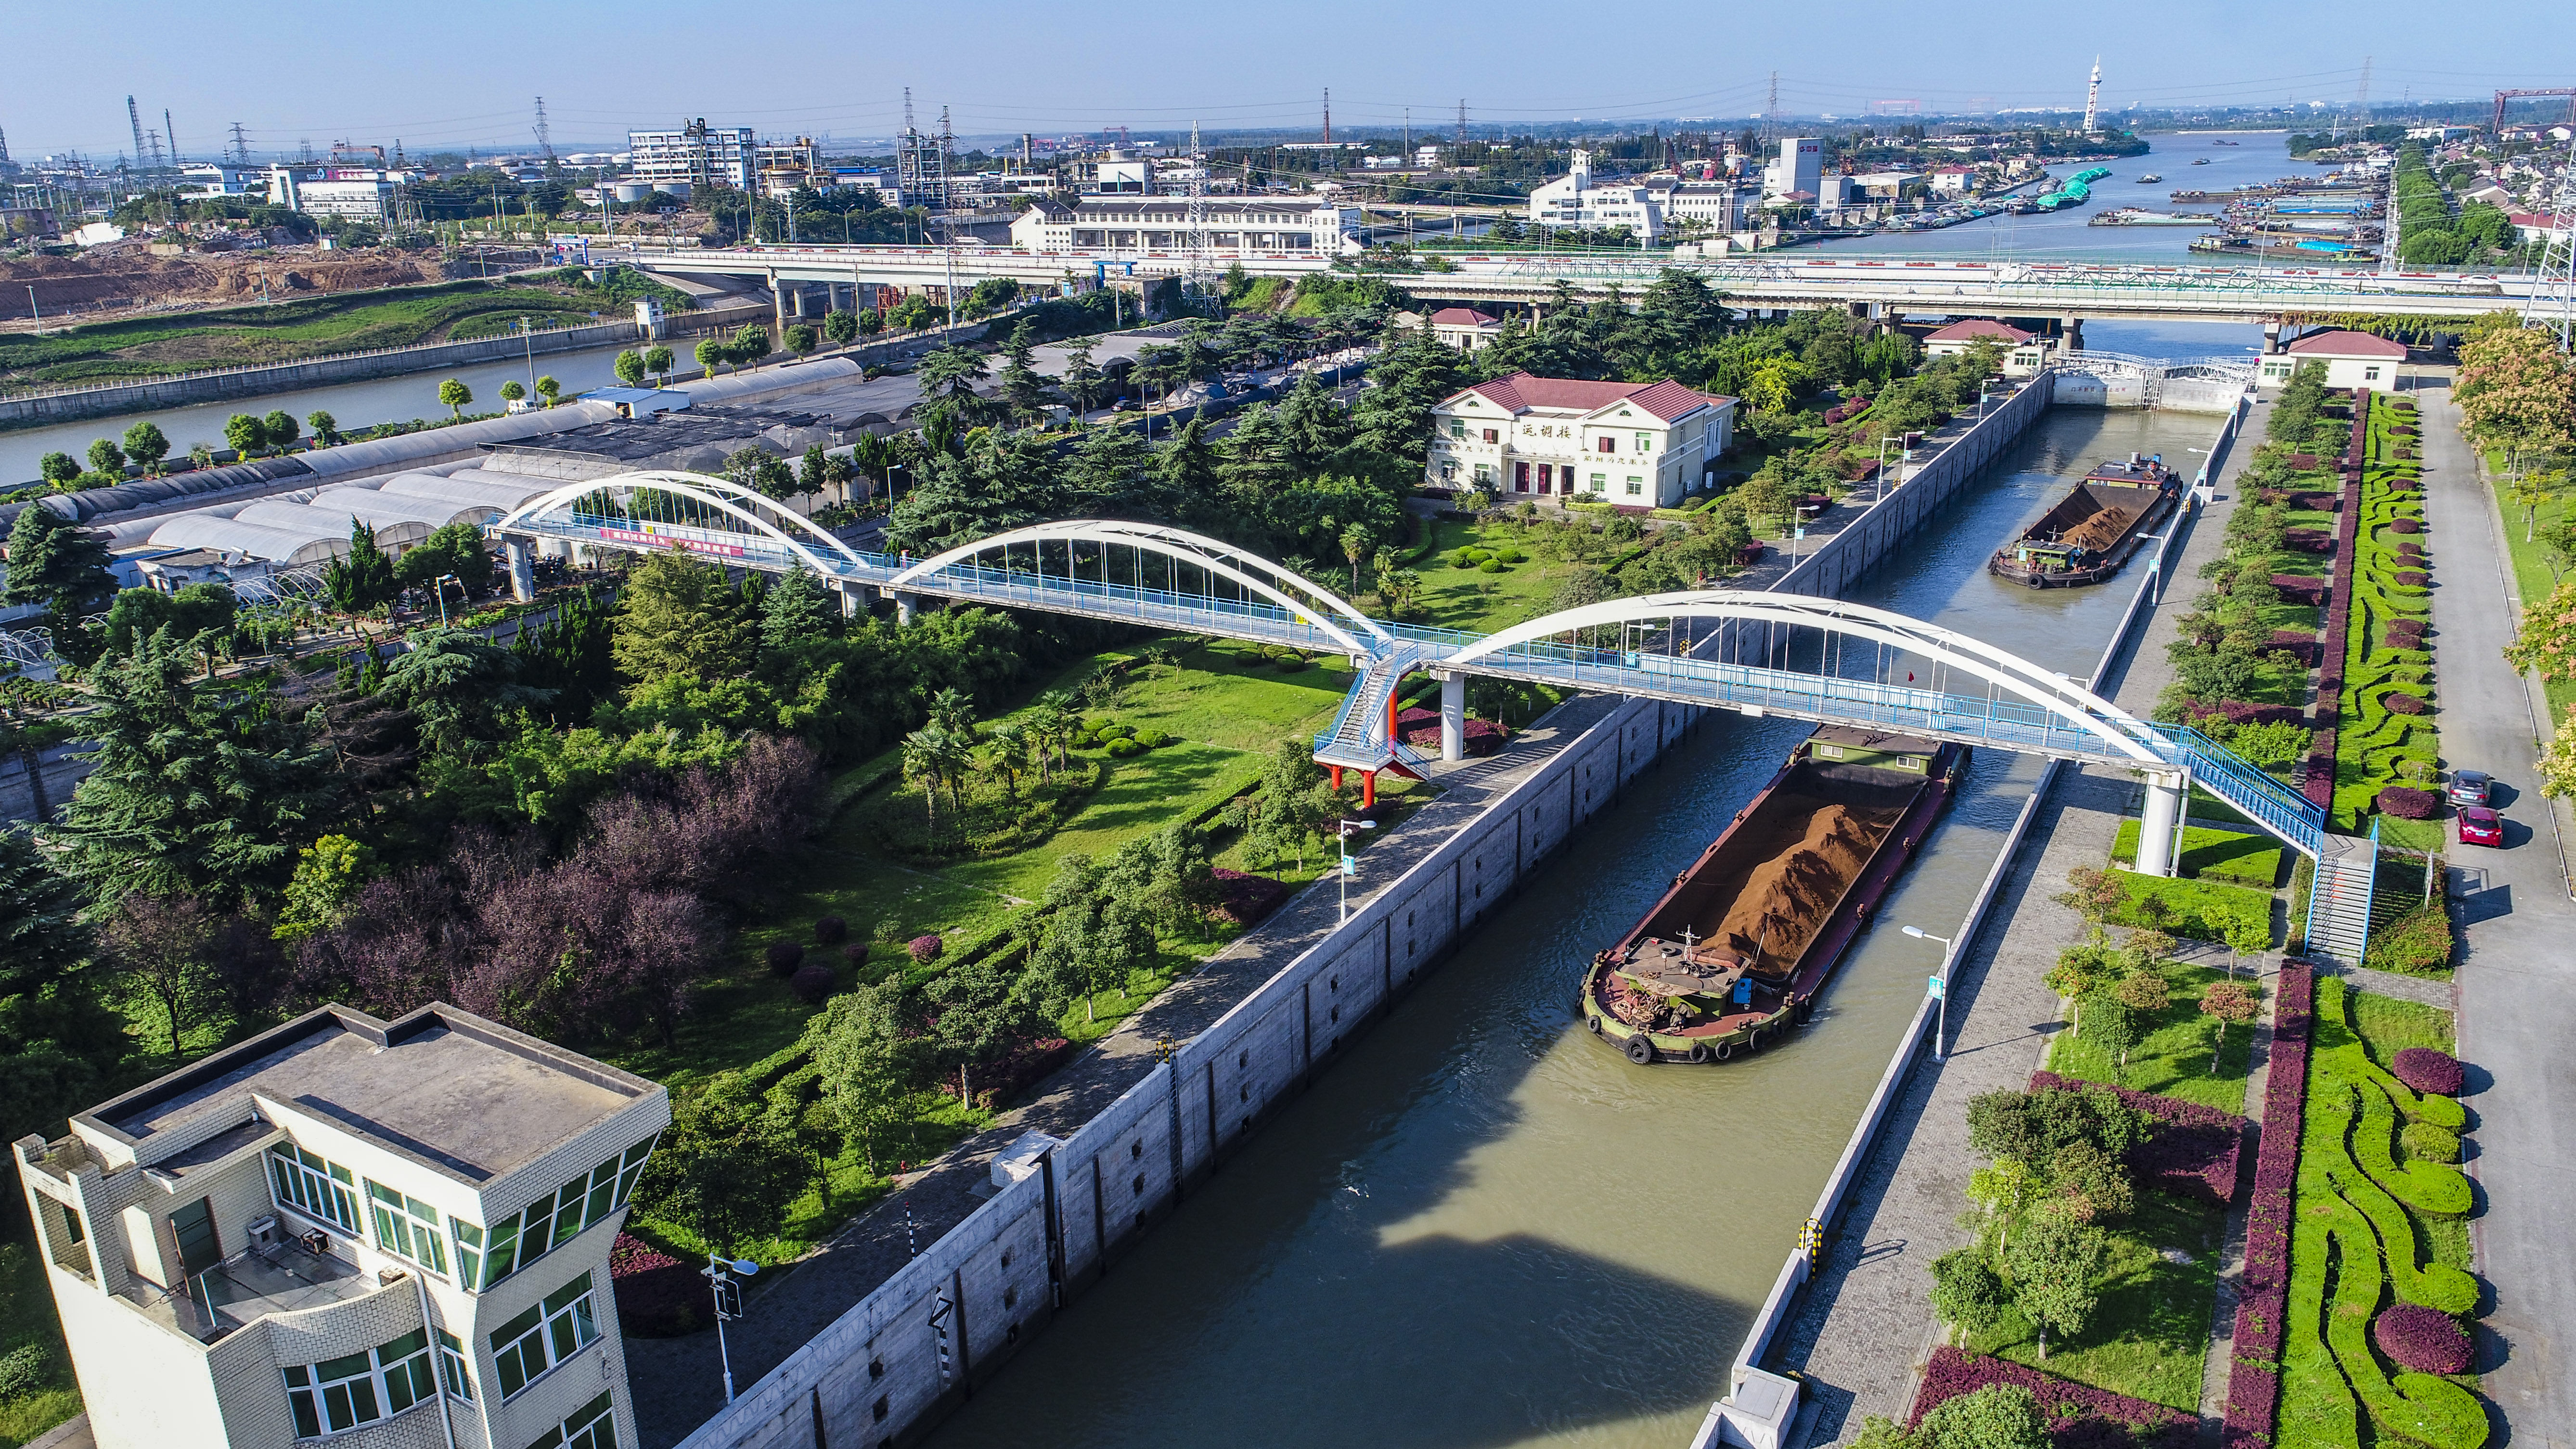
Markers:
{"x": 2094, "y": 529}
{"x": 1732, "y": 957}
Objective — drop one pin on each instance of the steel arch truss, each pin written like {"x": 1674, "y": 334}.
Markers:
{"x": 282, "y": 586}
{"x": 2125, "y": 735}
{"x": 780, "y": 529}
{"x": 1354, "y": 631}
{"x": 28, "y": 651}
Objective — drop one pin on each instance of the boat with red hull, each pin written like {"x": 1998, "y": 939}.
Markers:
{"x": 1733, "y": 955}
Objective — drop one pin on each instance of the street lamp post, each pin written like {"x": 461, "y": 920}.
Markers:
{"x": 440, "y": 583}
{"x": 1940, "y": 989}
{"x": 1349, "y": 866}
{"x": 1878, "y": 488}
{"x": 721, "y": 1273}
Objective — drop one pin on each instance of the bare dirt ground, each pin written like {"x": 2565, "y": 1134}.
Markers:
{"x": 128, "y": 280}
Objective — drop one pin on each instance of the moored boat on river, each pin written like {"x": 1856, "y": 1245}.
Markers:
{"x": 2094, "y": 529}
{"x": 1732, "y": 957}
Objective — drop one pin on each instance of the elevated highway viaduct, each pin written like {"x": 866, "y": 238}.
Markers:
{"x": 1871, "y": 286}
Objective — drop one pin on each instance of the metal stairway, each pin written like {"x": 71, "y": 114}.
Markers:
{"x": 2339, "y": 906}
{"x": 1358, "y": 737}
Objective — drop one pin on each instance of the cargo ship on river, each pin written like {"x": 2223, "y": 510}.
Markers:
{"x": 2094, "y": 529}
{"x": 1733, "y": 955}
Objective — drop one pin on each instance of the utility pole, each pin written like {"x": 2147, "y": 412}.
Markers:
{"x": 241, "y": 145}
{"x": 1197, "y": 280}
{"x": 1462, "y": 124}
{"x": 1328, "y": 115}
{"x": 1771, "y": 109}
{"x": 545, "y": 143}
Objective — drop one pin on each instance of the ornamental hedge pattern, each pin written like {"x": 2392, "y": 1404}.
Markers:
{"x": 2427, "y": 1070}
{"x": 2079, "y": 1416}
{"x": 2262, "y": 1301}
{"x": 2423, "y": 1339}
{"x": 2385, "y": 726}
{"x": 2355, "y": 1249}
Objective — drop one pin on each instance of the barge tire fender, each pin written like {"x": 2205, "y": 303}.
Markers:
{"x": 1593, "y": 1022}
{"x": 1699, "y": 1053}
{"x": 1724, "y": 1050}
{"x": 1640, "y": 1050}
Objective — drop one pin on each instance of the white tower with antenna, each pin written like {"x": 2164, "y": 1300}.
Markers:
{"x": 2093, "y": 97}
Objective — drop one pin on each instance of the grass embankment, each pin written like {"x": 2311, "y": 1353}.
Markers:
{"x": 27, "y": 1322}
{"x": 2220, "y": 855}
{"x": 2196, "y": 910}
{"x": 287, "y": 331}
{"x": 2175, "y": 1049}
{"x": 2150, "y": 1330}
{"x": 2534, "y": 580}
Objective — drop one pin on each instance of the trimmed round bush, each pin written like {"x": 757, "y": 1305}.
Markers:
{"x": 784, "y": 956}
{"x": 2403, "y": 704}
{"x": 1152, "y": 739}
{"x": 811, "y": 983}
{"x": 2413, "y": 579}
{"x": 2425, "y": 1142}
{"x": 925, "y": 949}
{"x": 829, "y": 929}
{"x": 1490, "y": 566}
{"x": 1085, "y": 739}
{"x": 2423, "y": 1340}
{"x": 2404, "y": 525}
{"x": 1290, "y": 663}
{"x": 2408, "y": 804}
{"x": 856, "y": 953}
{"x": 1123, "y": 749}
{"x": 1510, "y": 555}
{"x": 2427, "y": 1070}
{"x": 1116, "y": 731}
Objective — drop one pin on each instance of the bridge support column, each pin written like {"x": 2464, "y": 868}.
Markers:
{"x": 903, "y": 605}
{"x": 778, "y": 308}
{"x": 2272, "y": 337}
{"x": 852, "y": 605}
{"x": 1368, "y": 791}
{"x": 2156, "y": 827}
{"x": 1453, "y": 717}
{"x": 1336, "y": 772}
{"x": 523, "y": 569}
{"x": 2072, "y": 329}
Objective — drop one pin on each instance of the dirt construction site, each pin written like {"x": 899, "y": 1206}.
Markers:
{"x": 127, "y": 279}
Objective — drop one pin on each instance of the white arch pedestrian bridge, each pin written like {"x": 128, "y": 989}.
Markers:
{"x": 1819, "y": 660}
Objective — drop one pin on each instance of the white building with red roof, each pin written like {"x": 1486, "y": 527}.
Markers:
{"x": 1465, "y": 328}
{"x": 1633, "y": 444}
{"x": 2352, "y": 359}
{"x": 2024, "y": 353}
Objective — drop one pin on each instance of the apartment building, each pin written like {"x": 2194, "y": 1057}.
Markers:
{"x": 391, "y": 1234}
{"x": 1634, "y": 444}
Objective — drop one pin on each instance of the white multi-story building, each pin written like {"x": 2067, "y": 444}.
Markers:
{"x": 225, "y": 179}
{"x": 694, "y": 155}
{"x": 2352, "y": 359}
{"x": 1237, "y": 226}
{"x": 1634, "y": 444}
{"x": 1575, "y": 199}
{"x": 2023, "y": 355}
{"x": 344, "y": 192}
{"x": 391, "y": 1234}
{"x": 1800, "y": 166}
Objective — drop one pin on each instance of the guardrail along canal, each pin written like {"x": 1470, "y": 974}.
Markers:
{"x": 1481, "y": 1227}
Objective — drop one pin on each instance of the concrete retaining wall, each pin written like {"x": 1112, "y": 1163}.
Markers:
{"x": 876, "y": 1375}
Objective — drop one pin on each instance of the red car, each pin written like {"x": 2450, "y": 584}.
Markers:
{"x": 2481, "y": 826}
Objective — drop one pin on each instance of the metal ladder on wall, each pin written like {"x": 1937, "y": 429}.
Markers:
{"x": 2339, "y": 906}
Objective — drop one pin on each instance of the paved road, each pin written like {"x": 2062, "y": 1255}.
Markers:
{"x": 2517, "y": 980}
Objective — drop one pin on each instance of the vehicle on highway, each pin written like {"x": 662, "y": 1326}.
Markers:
{"x": 2481, "y": 826}
{"x": 2470, "y": 787}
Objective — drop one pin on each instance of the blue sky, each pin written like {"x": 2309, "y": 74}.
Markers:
{"x": 464, "y": 73}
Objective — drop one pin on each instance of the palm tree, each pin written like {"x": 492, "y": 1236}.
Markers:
{"x": 1355, "y": 546}
{"x": 1008, "y": 755}
{"x": 922, "y": 765}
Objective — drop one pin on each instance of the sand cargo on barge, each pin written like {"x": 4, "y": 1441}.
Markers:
{"x": 1734, "y": 953}
{"x": 2094, "y": 529}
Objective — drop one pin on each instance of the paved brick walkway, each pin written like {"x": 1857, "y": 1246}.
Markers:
{"x": 1864, "y": 1328}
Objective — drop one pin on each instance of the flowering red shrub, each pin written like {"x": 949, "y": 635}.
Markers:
{"x": 2401, "y": 703}
{"x": 925, "y": 949}
{"x": 658, "y": 1296}
{"x": 1248, "y": 898}
{"x": 811, "y": 983}
{"x": 2426, "y": 1340}
{"x": 2079, "y": 1417}
{"x": 2192, "y": 1151}
{"x": 2409, "y": 804}
{"x": 2404, "y": 525}
{"x": 2427, "y": 1070}
{"x": 2262, "y": 1304}
{"x": 2413, "y": 579}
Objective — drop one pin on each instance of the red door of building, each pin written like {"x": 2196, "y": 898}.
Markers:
{"x": 1520, "y": 477}
{"x": 1546, "y": 478}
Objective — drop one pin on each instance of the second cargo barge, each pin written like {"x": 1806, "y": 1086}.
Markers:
{"x": 2094, "y": 529}
{"x": 1734, "y": 953}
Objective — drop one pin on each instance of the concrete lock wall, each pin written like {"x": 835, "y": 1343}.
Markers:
{"x": 896, "y": 1362}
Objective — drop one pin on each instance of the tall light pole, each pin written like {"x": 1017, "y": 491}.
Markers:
{"x": 1940, "y": 986}
{"x": 720, "y": 1272}
{"x": 1349, "y": 865}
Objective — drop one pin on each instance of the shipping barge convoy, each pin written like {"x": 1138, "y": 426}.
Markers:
{"x": 2094, "y": 529}
{"x": 1733, "y": 955}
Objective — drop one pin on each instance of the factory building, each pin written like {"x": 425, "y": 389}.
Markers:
{"x": 695, "y": 154}
{"x": 1237, "y": 226}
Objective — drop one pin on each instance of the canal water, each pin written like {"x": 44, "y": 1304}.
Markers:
{"x": 2067, "y": 235}
{"x": 1483, "y": 1227}
{"x": 353, "y": 404}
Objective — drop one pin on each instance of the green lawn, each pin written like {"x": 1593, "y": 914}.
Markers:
{"x": 2532, "y": 578}
{"x": 2239, "y": 859}
{"x": 2174, "y": 1057}
{"x": 27, "y": 1317}
{"x": 2196, "y": 910}
{"x": 305, "y": 327}
{"x": 1456, "y": 598}
{"x": 2150, "y": 1331}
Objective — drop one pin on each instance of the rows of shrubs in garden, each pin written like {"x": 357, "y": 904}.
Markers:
{"x": 2385, "y": 753}
{"x": 2373, "y": 1330}
{"x": 2263, "y": 1289}
{"x": 2334, "y": 645}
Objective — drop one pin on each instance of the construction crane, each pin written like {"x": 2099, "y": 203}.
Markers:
{"x": 2553, "y": 286}
{"x": 134, "y": 118}
{"x": 2503, "y": 96}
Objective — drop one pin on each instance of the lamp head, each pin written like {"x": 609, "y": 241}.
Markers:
{"x": 1915, "y": 931}
{"x": 744, "y": 1266}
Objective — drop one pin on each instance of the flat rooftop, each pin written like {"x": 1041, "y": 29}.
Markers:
{"x": 461, "y": 1094}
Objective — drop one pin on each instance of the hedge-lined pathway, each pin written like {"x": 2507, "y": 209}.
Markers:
{"x": 1863, "y": 1330}
{"x": 2517, "y": 973}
